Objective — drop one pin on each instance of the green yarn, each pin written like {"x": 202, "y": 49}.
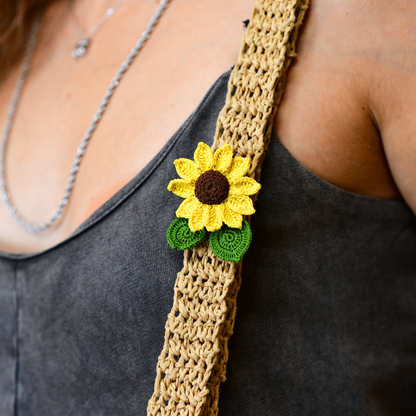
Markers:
{"x": 230, "y": 244}
{"x": 180, "y": 237}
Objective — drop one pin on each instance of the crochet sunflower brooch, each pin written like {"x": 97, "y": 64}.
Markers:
{"x": 216, "y": 193}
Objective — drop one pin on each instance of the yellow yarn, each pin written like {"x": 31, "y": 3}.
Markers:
{"x": 237, "y": 203}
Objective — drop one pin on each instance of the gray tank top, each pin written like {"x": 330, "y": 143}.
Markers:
{"x": 326, "y": 321}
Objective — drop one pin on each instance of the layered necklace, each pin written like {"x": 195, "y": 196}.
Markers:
{"x": 24, "y": 70}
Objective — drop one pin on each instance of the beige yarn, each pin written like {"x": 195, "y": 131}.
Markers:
{"x": 193, "y": 361}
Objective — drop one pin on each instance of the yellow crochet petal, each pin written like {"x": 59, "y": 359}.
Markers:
{"x": 187, "y": 207}
{"x": 199, "y": 218}
{"x": 240, "y": 204}
{"x": 232, "y": 219}
{"x": 223, "y": 158}
{"x": 239, "y": 168}
{"x": 245, "y": 186}
{"x": 181, "y": 188}
{"x": 203, "y": 157}
{"x": 187, "y": 169}
{"x": 216, "y": 217}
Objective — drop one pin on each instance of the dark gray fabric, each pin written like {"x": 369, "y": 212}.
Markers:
{"x": 326, "y": 314}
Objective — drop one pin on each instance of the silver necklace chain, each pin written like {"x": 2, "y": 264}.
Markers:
{"x": 30, "y": 49}
{"x": 80, "y": 48}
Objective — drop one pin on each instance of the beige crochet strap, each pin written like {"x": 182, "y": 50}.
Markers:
{"x": 195, "y": 353}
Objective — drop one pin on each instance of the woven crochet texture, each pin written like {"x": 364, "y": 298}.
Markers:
{"x": 215, "y": 188}
{"x": 193, "y": 361}
{"x": 180, "y": 237}
{"x": 231, "y": 244}
{"x": 212, "y": 187}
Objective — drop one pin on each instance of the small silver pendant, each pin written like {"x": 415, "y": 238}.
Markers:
{"x": 80, "y": 48}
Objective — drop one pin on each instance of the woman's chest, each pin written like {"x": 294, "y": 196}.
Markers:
{"x": 159, "y": 91}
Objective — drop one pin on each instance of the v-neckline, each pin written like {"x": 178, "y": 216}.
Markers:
{"x": 130, "y": 187}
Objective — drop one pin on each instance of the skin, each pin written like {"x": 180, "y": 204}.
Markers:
{"x": 346, "y": 110}
{"x": 346, "y": 113}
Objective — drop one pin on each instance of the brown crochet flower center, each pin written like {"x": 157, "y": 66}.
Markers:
{"x": 212, "y": 187}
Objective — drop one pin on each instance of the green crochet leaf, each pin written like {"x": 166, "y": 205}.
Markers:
{"x": 180, "y": 237}
{"x": 230, "y": 244}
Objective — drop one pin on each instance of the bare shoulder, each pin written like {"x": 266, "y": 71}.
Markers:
{"x": 375, "y": 39}
{"x": 390, "y": 51}
{"x": 348, "y": 91}
{"x": 381, "y": 32}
